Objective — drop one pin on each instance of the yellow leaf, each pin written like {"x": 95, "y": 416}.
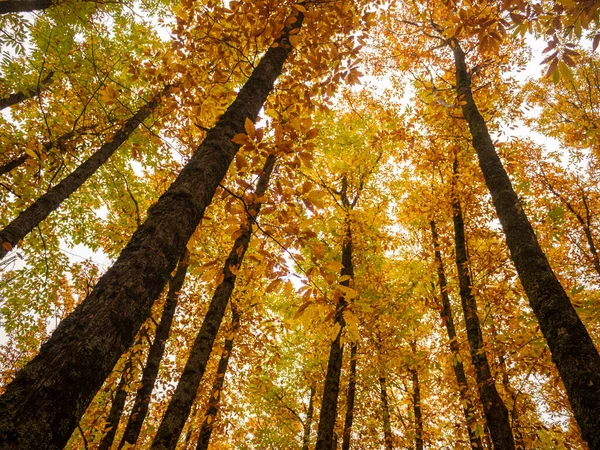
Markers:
{"x": 334, "y": 266}
{"x": 249, "y": 127}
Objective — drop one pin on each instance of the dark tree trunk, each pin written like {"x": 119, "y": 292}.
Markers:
{"x": 387, "y": 425}
{"x": 43, "y": 404}
{"x": 448, "y": 320}
{"x": 494, "y": 409}
{"x": 185, "y": 393}
{"x": 309, "y": 418}
{"x": 116, "y": 408}
{"x": 417, "y": 410}
{"x": 573, "y": 351}
{"x": 21, "y": 159}
{"x": 325, "y": 435}
{"x": 13, "y": 164}
{"x": 215, "y": 393}
{"x": 47, "y": 203}
{"x": 350, "y": 399}
{"x": 17, "y": 6}
{"x": 18, "y": 97}
{"x": 157, "y": 349}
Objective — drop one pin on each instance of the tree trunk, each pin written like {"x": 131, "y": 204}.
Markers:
{"x": 185, "y": 393}
{"x": 325, "y": 435}
{"x": 387, "y": 425}
{"x": 47, "y": 203}
{"x": 417, "y": 410}
{"x": 18, "y": 6}
{"x": 573, "y": 351}
{"x": 18, "y": 97}
{"x": 157, "y": 349}
{"x": 116, "y": 408}
{"x": 350, "y": 399}
{"x": 494, "y": 409}
{"x": 43, "y": 404}
{"x": 457, "y": 365}
{"x": 215, "y": 393}
{"x": 21, "y": 159}
{"x": 309, "y": 419}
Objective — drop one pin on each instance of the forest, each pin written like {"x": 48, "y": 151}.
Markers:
{"x": 300, "y": 224}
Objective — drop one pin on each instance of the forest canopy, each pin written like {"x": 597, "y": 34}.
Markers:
{"x": 282, "y": 224}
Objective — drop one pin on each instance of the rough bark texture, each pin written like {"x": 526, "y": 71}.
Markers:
{"x": 17, "y": 6}
{"x": 459, "y": 369}
{"x": 325, "y": 435}
{"x": 417, "y": 410}
{"x": 387, "y": 425}
{"x": 573, "y": 351}
{"x": 43, "y": 404}
{"x": 116, "y": 409}
{"x": 495, "y": 410}
{"x": 309, "y": 418}
{"x": 47, "y": 203}
{"x": 157, "y": 349}
{"x": 185, "y": 393}
{"x": 215, "y": 393}
{"x": 18, "y": 97}
{"x": 350, "y": 399}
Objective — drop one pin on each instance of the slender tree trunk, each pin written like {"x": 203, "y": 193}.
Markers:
{"x": 494, "y": 409}
{"x": 116, "y": 408}
{"x": 47, "y": 203}
{"x": 43, "y": 404}
{"x": 21, "y": 159}
{"x": 459, "y": 369}
{"x": 18, "y": 97}
{"x": 14, "y": 163}
{"x": 350, "y": 399}
{"x": 417, "y": 409}
{"x": 185, "y": 393}
{"x": 325, "y": 435}
{"x": 573, "y": 351}
{"x": 157, "y": 349}
{"x": 309, "y": 419}
{"x": 387, "y": 425}
{"x": 215, "y": 393}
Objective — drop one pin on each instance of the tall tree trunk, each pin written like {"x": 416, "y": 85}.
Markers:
{"x": 417, "y": 409}
{"x": 350, "y": 399}
{"x": 18, "y": 6}
{"x": 215, "y": 393}
{"x": 387, "y": 425}
{"x": 309, "y": 419}
{"x": 47, "y": 203}
{"x": 42, "y": 405}
{"x": 448, "y": 320}
{"x": 325, "y": 435}
{"x": 157, "y": 349}
{"x": 116, "y": 408}
{"x": 573, "y": 351}
{"x": 21, "y": 159}
{"x": 185, "y": 393}
{"x": 494, "y": 409}
{"x": 18, "y": 97}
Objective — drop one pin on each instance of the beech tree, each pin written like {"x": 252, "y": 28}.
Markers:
{"x": 414, "y": 217}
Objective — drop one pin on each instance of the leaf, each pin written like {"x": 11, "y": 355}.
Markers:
{"x": 7, "y": 246}
{"x": 249, "y": 127}
{"x": 333, "y": 265}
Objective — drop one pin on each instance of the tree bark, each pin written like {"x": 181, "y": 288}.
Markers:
{"x": 215, "y": 393}
{"x": 387, "y": 425}
{"x": 157, "y": 349}
{"x": 309, "y": 418}
{"x": 325, "y": 435}
{"x": 417, "y": 410}
{"x": 448, "y": 320}
{"x": 116, "y": 408}
{"x": 350, "y": 399}
{"x": 185, "y": 393}
{"x": 14, "y": 163}
{"x": 43, "y": 404}
{"x": 47, "y": 203}
{"x": 573, "y": 351}
{"x": 20, "y": 96}
{"x": 494, "y": 408}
